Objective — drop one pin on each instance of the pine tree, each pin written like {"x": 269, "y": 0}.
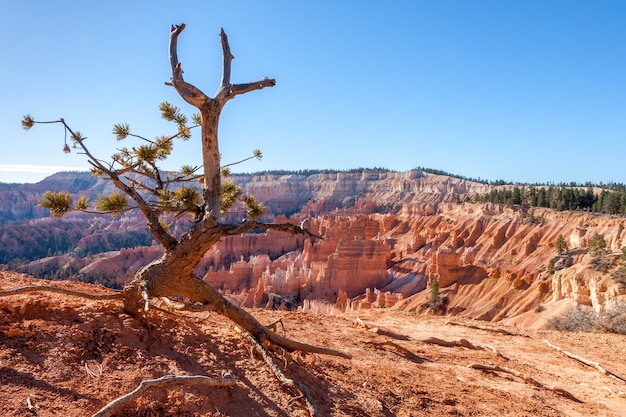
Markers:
{"x": 435, "y": 296}
{"x": 193, "y": 194}
{"x": 516, "y": 196}
{"x": 561, "y": 245}
{"x": 597, "y": 245}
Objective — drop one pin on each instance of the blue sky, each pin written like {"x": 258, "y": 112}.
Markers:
{"x": 527, "y": 91}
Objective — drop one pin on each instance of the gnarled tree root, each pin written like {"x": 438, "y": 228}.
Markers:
{"x": 267, "y": 334}
{"x": 287, "y": 382}
{"x": 524, "y": 377}
{"x": 163, "y": 382}
{"x": 587, "y": 362}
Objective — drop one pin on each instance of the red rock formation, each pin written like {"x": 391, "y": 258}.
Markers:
{"x": 385, "y": 236}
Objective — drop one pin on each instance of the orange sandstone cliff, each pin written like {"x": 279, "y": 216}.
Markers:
{"x": 386, "y": 237}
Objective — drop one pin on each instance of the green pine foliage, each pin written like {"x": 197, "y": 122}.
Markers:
{"x": 560, "y": 245}
{"x": 611, "y": 200}
{"x": 597, "y": 245}
{"x": 137, "y": 166}
{"x": 435, "y": 296}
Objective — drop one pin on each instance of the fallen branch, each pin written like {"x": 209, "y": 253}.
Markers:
{"x": 46, "y": 288}
{"x": 291, "y": 345}
{"x": 410, "y": 355}
{"x": 290, "y": 383}
{"x": 460, "y": 343}
{"x": 485, "y": 328}
{"x": 380, "y": 331}
{"x": 389, "y": 333}
{"x": 163, "y": 382}
{"x": 31, "y": 407}
{"x": 398, "y": 396}
{"x": 524, "y": 377}
{"x": 587, "y": 362}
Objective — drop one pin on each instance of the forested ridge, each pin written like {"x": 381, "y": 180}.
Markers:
{"x": 609, "y": 200}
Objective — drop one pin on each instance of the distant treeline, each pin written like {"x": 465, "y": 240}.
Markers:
{"x": 308, "y": 172}
{"x": 612, "y": 186}
{"x": 461, "y": 177}
{"x": 609, "y": 201}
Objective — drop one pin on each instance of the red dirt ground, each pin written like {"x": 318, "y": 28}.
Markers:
{"x": 46, "y": 340}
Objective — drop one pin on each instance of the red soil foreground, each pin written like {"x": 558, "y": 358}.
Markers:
{"x": 50, "y": 344}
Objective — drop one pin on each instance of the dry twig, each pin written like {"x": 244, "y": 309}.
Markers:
{"x": 587, "y": 362}
{"x": 360, "y": 323}
{"x": 272, "y": 326}
{"x": 164, "y": 382}
{"x": 461, "y": 343}
{"x": 379, "y": 331}
{"x": 526, "y": 378}
{"x": 407, "y": 353}
{"x": 485, "y": 328}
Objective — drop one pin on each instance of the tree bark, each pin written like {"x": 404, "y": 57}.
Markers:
{"x": 173, "y": 274}
{"x": 210, "y": 110}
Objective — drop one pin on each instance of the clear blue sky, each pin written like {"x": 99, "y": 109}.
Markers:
{"x": 527, "y": 91}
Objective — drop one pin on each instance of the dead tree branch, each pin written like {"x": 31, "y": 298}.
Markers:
{"x": 273, "y": 325}
{"x": 290, "y": 345}
{"x": 587, "y": 362}
{"x": 460, "y": 343}
{"x": 380, "y": 331}
{"x": 360, "y": 323}
{"x": 485, "y": 328}
{"x": 524, "y": 377}
{"x": 406, "y": 352}
{"x": 166, "y": 381}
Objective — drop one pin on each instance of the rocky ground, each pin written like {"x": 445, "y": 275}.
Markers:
{"x": 65, "y": 355}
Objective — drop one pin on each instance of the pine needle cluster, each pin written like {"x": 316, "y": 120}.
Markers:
{"x": 146, "y": 186}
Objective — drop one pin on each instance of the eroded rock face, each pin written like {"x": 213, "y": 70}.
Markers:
{"x": 347, "y": 261}
{"x": 490, "y": 261}
{"x": 387, "y": 236}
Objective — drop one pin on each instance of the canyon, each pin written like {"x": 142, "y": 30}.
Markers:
{"x": 386, "y": 236}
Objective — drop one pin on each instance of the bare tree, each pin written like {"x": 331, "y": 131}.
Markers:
{"x": 161, "y": 196}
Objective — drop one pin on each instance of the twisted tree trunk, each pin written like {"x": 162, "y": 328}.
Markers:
{"x": 173, "y": 274}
